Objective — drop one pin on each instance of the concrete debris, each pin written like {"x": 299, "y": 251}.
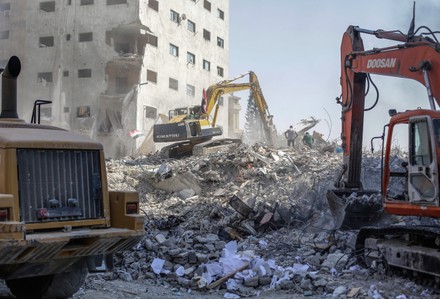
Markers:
{"x": 250, "y": 221}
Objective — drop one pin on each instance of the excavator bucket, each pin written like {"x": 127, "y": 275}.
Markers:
{"x": 355, "y": 209}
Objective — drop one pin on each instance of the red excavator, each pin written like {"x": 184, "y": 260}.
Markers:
{"x": 412, "y": 248}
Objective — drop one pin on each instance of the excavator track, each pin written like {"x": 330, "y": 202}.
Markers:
{"x": 412, "y": 250}
{"x": 188, "y": 148}
{"x": 222, "y": 145}
{"x": 177, "y": 150}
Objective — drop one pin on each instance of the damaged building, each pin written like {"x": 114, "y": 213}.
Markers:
{"x": 114, "y": 68}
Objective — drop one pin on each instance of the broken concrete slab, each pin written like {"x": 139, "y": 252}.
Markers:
{"x": 179, "y": 182}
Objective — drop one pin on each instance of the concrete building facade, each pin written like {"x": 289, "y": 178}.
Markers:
{"x": 112, "y": 67}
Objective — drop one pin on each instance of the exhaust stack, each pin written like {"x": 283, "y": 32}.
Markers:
{"x": 9, "y": 88}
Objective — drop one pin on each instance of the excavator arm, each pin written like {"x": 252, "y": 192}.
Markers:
{"x": 417, "y": 58}
{"x": 215, "y": 91}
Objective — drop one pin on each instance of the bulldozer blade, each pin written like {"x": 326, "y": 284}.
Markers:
{"x": 353, "y": 209}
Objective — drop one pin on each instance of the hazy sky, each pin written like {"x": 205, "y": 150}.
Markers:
{"x": 294, "y": 48}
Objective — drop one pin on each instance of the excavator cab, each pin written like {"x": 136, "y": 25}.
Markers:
{"x": 421, "y": 187}
{"x": 190, "y": 112}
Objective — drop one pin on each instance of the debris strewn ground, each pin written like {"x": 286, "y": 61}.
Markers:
{"x": 250, "y": 223}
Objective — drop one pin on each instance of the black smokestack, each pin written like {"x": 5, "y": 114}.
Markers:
{"x": 9, "y": 88}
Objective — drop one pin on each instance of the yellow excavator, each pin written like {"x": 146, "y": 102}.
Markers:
{"x": 193, "y": 127}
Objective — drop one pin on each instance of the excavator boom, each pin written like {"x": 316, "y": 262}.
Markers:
{"x": 215, "y": 91}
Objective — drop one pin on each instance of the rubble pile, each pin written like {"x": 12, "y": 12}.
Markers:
{"x": 265, "y": 179}
{"x": 250, "y": 221}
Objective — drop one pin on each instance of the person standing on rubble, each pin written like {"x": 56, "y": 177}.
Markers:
{"x": 308, "y": 140}
{"x": 290, "y": 135}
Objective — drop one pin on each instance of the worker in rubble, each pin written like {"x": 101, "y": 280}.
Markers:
{"x": 308, "y": 140}
{"x": 290, "y": 135}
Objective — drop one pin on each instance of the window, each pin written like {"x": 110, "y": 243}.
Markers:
{"x": 220, "y": 71}
{"x": 152, "y": 40}
{"x": 4, "y": 34}
{"x": 5, "y": 7}
{"x": 46, "y": 41}
{"x": 67, "y": 36}
{"x": 191, "y": 26}
{"x": 207, "y": 5}
{"x": 44, "y": 78}
{"x": 114, "y": 2}
{"x": 151, "y": 76}
{"x": 153, "y": 4}
{"x": 86, "y": 2}
{"x": 174, "y": 84}
{"x": 69, "y": 2}
{"x": 66, "y": 110}
{"x": 84, "y": 73}
{"x": 220, "y": 42}
{"x": 420, "y": 154}
{"x": 221, "y": 14}
{"x": 65, "y": 73}
{"x": 190, "y": 58}
{"x": 109, "y": 36}
{"x": 150, "y": 112}
{"x": 47, "y": 6}
{"x": 190, "y": 90}
{"x": 420, "y": 151}
{"x": 86, "y": 37}
{"x": 174, "y": 50}
{"x": 83, "y": 111}
{"x": 110, "y": 121}
{"x": 206, "y": 65}
{"x": 122, "y": 47}
{"x": 206, "y": 34}
{"x": 174, "y": 16}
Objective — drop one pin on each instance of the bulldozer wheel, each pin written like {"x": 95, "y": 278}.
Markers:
{"x": 59, "y": 285}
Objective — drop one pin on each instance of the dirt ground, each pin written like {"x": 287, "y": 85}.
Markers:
{"x": 98, "y": 288}
{"x": 117, "y": 289}
{"x": 377, "y": 287}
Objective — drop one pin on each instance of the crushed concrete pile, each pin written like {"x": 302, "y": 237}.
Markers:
{"x": 247, "y": 222}
{"x": 264, "y": 179}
